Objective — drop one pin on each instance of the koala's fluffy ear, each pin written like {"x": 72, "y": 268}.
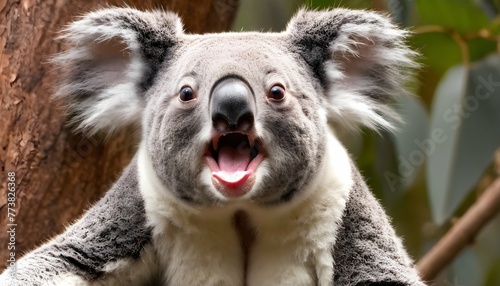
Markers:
{"x": 111, "y": 59}
{"x": 361, "y": 60}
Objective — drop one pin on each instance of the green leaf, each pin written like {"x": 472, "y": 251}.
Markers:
{"x": 465, "y": 130}
{"x": 439, "y": 51}
{"x": 410, "y": 138}
{"x": 459, "y": 15}
{"x": 440, "y": 161}
{"x": 479, "y": 48}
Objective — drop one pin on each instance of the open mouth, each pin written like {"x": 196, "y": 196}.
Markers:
{"x": 233, "y": 158}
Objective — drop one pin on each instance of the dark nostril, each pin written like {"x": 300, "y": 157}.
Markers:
{"x": 232, "y": 106}
{"x": 220, "y": 124}
{"x": 245, "y": 123}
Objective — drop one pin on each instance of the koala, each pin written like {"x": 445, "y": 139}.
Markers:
{"x": 239, "y": 178}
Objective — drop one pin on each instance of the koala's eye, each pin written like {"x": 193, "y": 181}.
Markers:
{"x": 187, "y": 93}
{"x": 276, "y": 93}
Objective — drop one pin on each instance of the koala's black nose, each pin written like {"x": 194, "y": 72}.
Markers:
{"x": 232, "y": 106}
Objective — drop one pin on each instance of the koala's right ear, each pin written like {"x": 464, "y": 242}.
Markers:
{"x": 112, "y": 58}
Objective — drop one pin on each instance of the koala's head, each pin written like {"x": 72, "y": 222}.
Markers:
{"x": 233, "y": 116}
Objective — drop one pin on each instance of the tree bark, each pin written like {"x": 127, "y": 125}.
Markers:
{"x": 57, "y": 174}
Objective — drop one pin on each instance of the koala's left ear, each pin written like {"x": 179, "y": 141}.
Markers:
{"x": 111, "y": 60}
{"x": 361, "y": 60}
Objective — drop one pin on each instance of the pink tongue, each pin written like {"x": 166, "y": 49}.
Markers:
{"x": 233, "y": 163}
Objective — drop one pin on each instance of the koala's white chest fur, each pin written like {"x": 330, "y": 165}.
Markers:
{"x": 293, "y": 242}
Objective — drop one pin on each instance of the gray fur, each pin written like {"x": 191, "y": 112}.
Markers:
{"x": 144, "y": 40}
{"x": 125, "y": 67}
{"x": 367, "y": 251}
{"x": 359, "y": 45}
{"x": 170, "y": 127}
{"x": 114, "y": 228}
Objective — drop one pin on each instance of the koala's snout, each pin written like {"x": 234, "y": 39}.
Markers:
{"x": 232, "y": 106}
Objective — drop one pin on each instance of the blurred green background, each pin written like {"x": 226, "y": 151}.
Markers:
{"x": 430, "y": 172}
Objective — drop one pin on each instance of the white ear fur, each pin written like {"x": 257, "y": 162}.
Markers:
{"x": 367, "y": 68}
{"x": 107, "y": 63}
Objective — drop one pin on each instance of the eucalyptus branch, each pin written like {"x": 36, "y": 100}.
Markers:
{"x": 462, "y": 233}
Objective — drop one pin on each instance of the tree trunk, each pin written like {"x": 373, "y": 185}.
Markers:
{"x": 53, "y": 173}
